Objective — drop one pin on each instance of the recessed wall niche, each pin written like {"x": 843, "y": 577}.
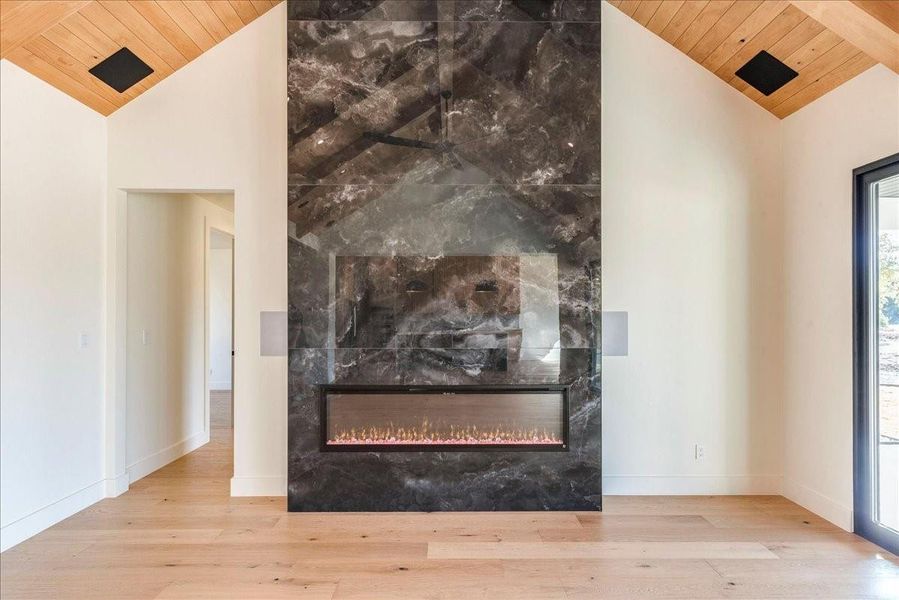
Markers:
{"x": 445, "y": 206}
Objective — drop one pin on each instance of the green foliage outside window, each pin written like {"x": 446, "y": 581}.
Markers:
{"x": 889, "y": 279}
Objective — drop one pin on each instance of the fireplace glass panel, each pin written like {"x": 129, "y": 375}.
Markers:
{"x": 456, "y": 419}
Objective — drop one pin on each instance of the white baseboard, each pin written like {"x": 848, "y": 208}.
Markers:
{"x": 219, "y": 385}
{"x": 690, "y": 485}
{"x": 826, "y": 508}
{"x": 116, "y": 486}
{"x": 258, "y": 486}
{"x": 23, "y": 528}
{"x": 147, "y": 465}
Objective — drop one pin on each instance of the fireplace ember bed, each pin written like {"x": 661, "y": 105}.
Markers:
{"x": 421, "y": 418}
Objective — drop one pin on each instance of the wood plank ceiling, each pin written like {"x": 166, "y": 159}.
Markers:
{"x": 59, "y": 40}
{"x": 722, "y": 35}
{"x": 827, "y": 42}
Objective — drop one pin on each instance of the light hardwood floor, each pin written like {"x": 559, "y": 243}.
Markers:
{"x": 177, "y": 534}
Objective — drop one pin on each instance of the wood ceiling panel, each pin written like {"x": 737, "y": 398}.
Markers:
{"x": 706, "y": 19}
{"x": 856, "y": 65}
{"x": 885, "y": 12}
{"x": 189, "y": 23}
{"x": 797, "y": 38}
{"x": 21, "y": 21}
{"x": 785, "y": 22}
{"x": 816, "y": 69}
{"x": 228, "y": 16}
{"x": 812, "y": 50}
{"x": 122, "y": 36}
{"x": 685, "y": 15}
{"x": 52, "y": 54}
{"x": 167, "y": 27}
{"x": 745, "y": 32}
{"x": 629, "y": 6}
{"x": 261, "y": 5}
{"x": 60, "y": 40}
{"x": 244, "y": 10}
{"x": 722, "y": 35}
{"x": 209, "y": 19}
{"x": 80, "y": 29}
{"x": 645, "y": 11}
{"x": 128, "y": 16}
{"x": 714, "y": 37}
{"x": 854, "y": 24}
{"x": 50, "y": 74}
{"x": 663, "y": 16}
{"x": 85, "y": 54}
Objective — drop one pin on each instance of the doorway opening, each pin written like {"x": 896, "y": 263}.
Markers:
{"x": 221, "y": 328}
{"x": 876, "y": 351}
{"x": 178, "y": 314}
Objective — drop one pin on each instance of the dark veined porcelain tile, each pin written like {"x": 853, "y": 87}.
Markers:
{"x": 478, "y": 102}
{"x": 527, "y": 101}
{"x": 446, "y": 481}
{"x": 447, "y": 219}
{"x": 444, "y": 10}
{"x": 527, "y": 10}
{"x": 348, "y": 81}
{"x": 362, "y": 10}
{"x": 467, "y": 267}
{"x": 427, "y": 247}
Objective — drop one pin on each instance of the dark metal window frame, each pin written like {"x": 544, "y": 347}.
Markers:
{"x": 441, "y": 389}
{"x": 865, "y": 338}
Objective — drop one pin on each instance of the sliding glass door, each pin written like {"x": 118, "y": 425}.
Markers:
{"x": 876, "y": 310}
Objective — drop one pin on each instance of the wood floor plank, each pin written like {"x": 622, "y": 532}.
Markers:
{"x": 765, "y": 536}
{"x": 567, "y": 550}
{"x": 262, "y": 590}
{"x": 858, "y": 549}
{"x": 808, "y": 569}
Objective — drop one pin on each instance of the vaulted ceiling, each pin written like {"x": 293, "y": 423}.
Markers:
{"x": 59, "y": 40}
{"x": 827, "y": 42}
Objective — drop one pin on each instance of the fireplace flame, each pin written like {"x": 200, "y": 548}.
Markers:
{"x": 426, "y": 433}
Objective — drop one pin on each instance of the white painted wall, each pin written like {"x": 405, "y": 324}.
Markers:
{"x": 168, "y": 248}
{"x": 220, "y": 264}
{"x": 692, "y": 251}
{"x": 217, "y": 124}
{"x": 851, "y": 126}
{"x": 52, "y": 197}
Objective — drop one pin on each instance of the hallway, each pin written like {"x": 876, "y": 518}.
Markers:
{"x": 177, "y": 534}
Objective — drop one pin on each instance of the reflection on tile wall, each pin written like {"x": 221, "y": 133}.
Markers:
{"x": 444, "y": 200}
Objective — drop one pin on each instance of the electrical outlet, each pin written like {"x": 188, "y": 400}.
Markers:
{"x": 698, "y": 452}
{"x": 144, "y": 337}
{"x": 83, "y": 340}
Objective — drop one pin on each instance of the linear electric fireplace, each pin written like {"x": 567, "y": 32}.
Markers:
{"x": 438, "y": 418}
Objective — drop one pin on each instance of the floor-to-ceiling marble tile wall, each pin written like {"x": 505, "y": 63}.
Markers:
{"x": 441, "y": 144}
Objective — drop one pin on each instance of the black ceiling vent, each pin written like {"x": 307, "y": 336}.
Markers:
{"x": 121, "y": 70}
{"x": 765, "y": 73}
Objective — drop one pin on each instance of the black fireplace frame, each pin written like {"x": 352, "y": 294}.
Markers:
{"x": 445, "y": 389}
